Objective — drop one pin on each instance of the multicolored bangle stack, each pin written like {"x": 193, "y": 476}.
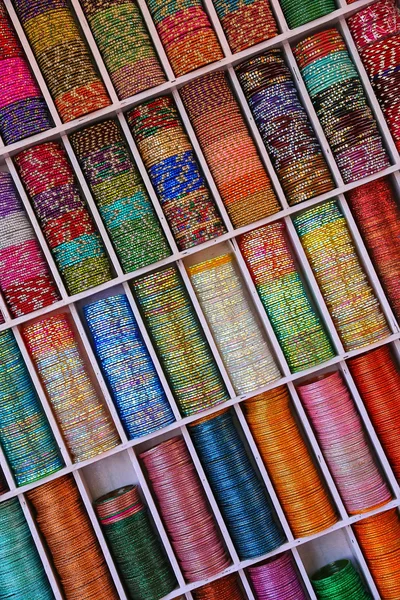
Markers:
{"x": 187, "y": 517}
{"x": 243, "y": 348}
{"x": 341, "y": 105}
{"x": 25, "y": 278}
{"x": 179, "y": 340}
{"x": 66, "y": 223}
{"x": 23, "y": 110}
{"x": 376, "y": 32}
{"x": 25, "y": 434}
{"x": 226, "y": 588}
{"x": 125, "y": 45}
{"x": 244, "y": 185}
{"x": 289, "y": 464}
{"x": 339, "y": 580}
{"x": 83, "y": 419}
{"x": 378, "y": 381}
{"x": 379, "y": 538}
{"x": 284, "y": 126}
{"x": 246, "y": 23}
{"x": 22, "y": 574}
{"x": 121, "y": 195}
{"x": 136, "y": 549}
{"x": 73, "y": 545}
{"x": 63, "y": 57}
{"x": 186, "y": 34}
{"x": 297, "y": 325}
{"x": 242, "y": 498}
{"x": 127, "y": 366}
{"x": 277, "y": 578}
{"x": 378, "y": 217}
{"x": 346, "y": 290}
{"x": 309, "y": 10}
{"x": 345, "y": 445}
{"x": 174, "y": 172}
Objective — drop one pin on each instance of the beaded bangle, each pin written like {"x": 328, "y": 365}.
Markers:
{"x": 66, "y": 223}
{"x": 244, "y": 185}
{"x": 121, "y": 195}
{"x": 284, "y": 126}
{"x": 62, "y": 57}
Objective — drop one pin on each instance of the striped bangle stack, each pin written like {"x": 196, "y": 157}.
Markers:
{"x": 244, "y": 185}
{"x": 83, "y": 419}
{"x": 174, "y": 171}
{"x": 25, "y": 278}
{"x": 66, "y": 223}
{"x": 63, "y": 57}
{"x": 23, "y": 110}
{"x": 120, "y": 195}
{"x": 284, "y": 126}
{"x": 125, "y": 45}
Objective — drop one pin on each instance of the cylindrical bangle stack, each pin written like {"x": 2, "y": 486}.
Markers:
{"x": 246, "y": 24}
{"x": 174, "y": 172}
{"x": 73, "y": 545}
{"x": 350, "y": 298}
{"x": 244, "y": 185}
{"x": 125, "y": 45}
{"x": 25, "y": 434}
{"x": 295, "y": 477}
{"x": 179, "y": 340}
{"x": 84, "y": 421}
{"x": 226, "y": 588}
{"x": 186, "y": 34}
{"x": 243, "y": 348}
{"x": 63, "y": 57}
{"x": 277, "y": 578}
{"x": 309, "y": 10}
{"x": 378, "y": 217}
{"x": 184, "y": 509}
{"x": 136, "y": 549}
{"x": 127, "y": 366}
{"x": 22, "y": 574}
{"x": 25, "y": 278}
{"x": 66, "y": 223}
{"x": 376, "y": 32}
{"x": 284, "y": 126}
{"x": 23, "y": 110}
{"x": 339, "y": 580}
{"x": 243, "y": 501}
{"x": 379, "y": 538}
{"x": 341, "y": 105}
{"x": 297, "y": 326}
{"x": 378, "y": 381}
{"x": 121, "y": 195}
{"x": 345, "y": 445}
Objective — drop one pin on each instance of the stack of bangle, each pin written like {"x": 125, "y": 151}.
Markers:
{"x": 226, "y": 588}
{"x": 341, "y": 105}
{"x": 186, "y": 34}
{"x": 378, "y": 217}
{"x": 277, "y": 578}
{"x": 376, "y": 32}
{"x": 25, "y": 278}
{"x": 63, "y": 57}
{"x": 308, "y": 10}
{"x": 246, "y": 23}
{"x": 121, "y": 195}
{"x": 125, "y": 45}
{"x": 243, "y": 348}
{"x": 339, "y": 580}
{"x": 66, "y": 223}
{"x": 297, "y": 325}
{"x": 347, "y": 292}
{"x": 244, "y": 185}
{"x": 174, "y": 171}
{"x": 23, "y": 110}
{"x": 284, "y": 126}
